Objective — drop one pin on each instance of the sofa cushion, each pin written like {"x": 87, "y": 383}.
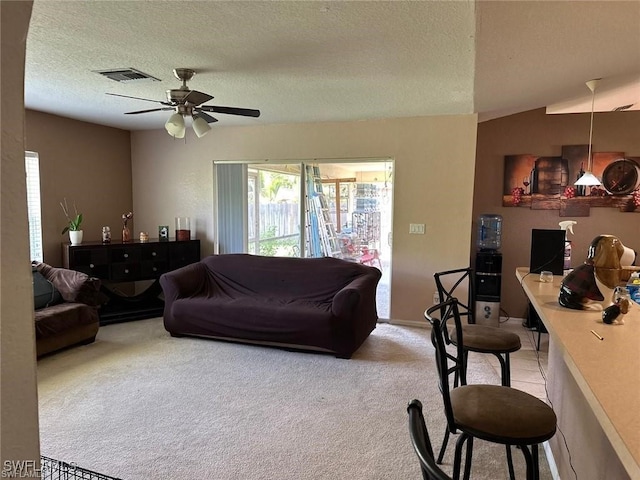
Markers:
{"x": 74, "y": 286}
{"x": 294, "y": 321}
{"x": 62, "y": 317}
{"x": 44, "y": 293}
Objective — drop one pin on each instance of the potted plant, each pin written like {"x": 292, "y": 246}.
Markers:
{"x": 73, "y": 223}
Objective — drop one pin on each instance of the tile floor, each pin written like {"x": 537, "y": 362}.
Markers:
{"x": 528, "y": 365}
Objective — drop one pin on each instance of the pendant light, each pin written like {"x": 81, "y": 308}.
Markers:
{"x": 588, "y": 179}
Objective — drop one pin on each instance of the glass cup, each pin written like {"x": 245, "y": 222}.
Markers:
{"x": 183, "y": 228}
{"x": 546, "y": 276}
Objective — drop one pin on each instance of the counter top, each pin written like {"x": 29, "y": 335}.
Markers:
{"x": 607, "y": 371}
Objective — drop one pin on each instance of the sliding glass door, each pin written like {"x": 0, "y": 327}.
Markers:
{"x": 332, "y": 208}
{"x": 274, "y": 210}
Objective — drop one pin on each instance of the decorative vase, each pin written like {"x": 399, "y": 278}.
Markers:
{"x": 183, "y": 229}
{"x": 126, "y": 234}
{"x": 75, "y": 237}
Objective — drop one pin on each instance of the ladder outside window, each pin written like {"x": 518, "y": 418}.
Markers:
{"x": 322, "y": 240}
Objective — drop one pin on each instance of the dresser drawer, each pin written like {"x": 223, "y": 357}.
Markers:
{"x": 123, "y": 272}
{"x": 152, "y": 269}
{"x": 125, "y": 254}
{"x": 154, "y": 252}
{"x": 92, "y": 261}
{"x": 183, "y": 253}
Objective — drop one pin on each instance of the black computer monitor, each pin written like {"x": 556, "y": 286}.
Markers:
{"x": 547, "y": 251}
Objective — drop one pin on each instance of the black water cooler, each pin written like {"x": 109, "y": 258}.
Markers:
{"x": 488, "y": 283}
{"x": 488, "y": 270}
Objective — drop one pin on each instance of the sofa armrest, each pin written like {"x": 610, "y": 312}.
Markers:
{"x": 183, "y": 282}
{"x": 359, "y": 292}
{"x": 75, "y": 287}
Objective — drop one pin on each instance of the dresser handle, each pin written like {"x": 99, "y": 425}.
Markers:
{"x": 126, "y": 270}
{"x": 126, "y": 255}
{"x": 155, "y": 269}
{"x": 153, "y": 254}
{"x": 91, "y": 265}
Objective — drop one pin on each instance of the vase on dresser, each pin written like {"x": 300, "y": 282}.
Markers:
{"x": 75, "y": 237}
{"x": 126, "y": 234}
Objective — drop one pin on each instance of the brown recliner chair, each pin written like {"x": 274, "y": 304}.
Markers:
{"x": 75, "y": 319}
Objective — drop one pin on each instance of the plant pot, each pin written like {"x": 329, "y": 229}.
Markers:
{"x": 75, "y": 236}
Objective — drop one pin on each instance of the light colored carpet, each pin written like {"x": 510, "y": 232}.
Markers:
{"x": 139, "y": 404}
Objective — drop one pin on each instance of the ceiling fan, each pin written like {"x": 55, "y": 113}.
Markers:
{"x": 185, "y": 102}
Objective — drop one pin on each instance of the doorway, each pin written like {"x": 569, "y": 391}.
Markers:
{"x": 337, "y": 208}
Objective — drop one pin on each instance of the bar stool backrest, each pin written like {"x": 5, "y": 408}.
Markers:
{"x": 447, "y": 363}
{"x": 449, "y": 284}
{"x": 421, "y": 443}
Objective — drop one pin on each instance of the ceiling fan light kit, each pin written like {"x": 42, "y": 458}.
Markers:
{"x": 186, "y": 102}
{"x": 200, "y": 126}
{"x": 589, "y": 179}
{"x": 175, "y": 125}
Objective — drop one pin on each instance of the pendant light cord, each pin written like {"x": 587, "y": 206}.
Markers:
{"x": 590, "y": 158}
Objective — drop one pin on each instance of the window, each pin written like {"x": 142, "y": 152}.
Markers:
{"x": 32, "y": 166}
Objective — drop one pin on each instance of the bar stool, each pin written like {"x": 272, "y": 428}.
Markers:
{"x": 478, "y": 338}
{"x": 493, "y": 413}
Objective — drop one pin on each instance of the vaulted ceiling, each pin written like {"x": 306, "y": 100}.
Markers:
{"x": 333, "y": 61}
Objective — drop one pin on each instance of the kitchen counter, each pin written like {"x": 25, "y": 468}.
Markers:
{"x": 593, "y": 385}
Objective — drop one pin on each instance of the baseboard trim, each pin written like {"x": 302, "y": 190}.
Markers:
{"x": 424, "y": 324}
{"x": 551, "y": 461}
{"x": 409, "y": 323}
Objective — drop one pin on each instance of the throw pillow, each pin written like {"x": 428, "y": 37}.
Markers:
{"x": 44, "y": 293}
{"x": 74, "y": 286}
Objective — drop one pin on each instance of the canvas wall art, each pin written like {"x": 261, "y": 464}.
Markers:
{"x": 547, "y": 183}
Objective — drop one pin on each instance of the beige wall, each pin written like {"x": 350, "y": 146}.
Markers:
{"x": 536, "y": 133}
{"x": 86, "y": 163}
{"x": 433, "y": 184}
{"x": 18, "y": 395}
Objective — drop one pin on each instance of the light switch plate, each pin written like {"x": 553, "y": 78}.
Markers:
{"x": 416, "y": 228}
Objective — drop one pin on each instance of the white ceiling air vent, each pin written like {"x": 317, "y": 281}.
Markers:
{"x": 124, "y": 75}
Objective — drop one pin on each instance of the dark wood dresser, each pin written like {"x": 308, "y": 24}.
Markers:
{"x": 133, "y": 261}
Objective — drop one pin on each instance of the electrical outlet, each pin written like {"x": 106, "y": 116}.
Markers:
{"x": 416, "y": 228}
{"x": 436, "y": 298}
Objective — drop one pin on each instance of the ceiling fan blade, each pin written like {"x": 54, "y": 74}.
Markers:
{"x": 207, "y": 118}
{"x": 196, "y": 98}
{"x": 151, "y": 110}
{"x": 138, "y": 98}
{"x": 245, "y": 112}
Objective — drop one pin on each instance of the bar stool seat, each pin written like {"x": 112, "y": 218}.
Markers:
{"x": 502, "y": 414}
{"x": 485, "y": 339}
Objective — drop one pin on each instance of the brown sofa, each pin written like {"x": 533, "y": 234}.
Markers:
{"x": 72, "y": 321}
{"x": 322, "y": 304}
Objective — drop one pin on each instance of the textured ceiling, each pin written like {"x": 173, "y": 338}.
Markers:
{"x": 331, "y": 61}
